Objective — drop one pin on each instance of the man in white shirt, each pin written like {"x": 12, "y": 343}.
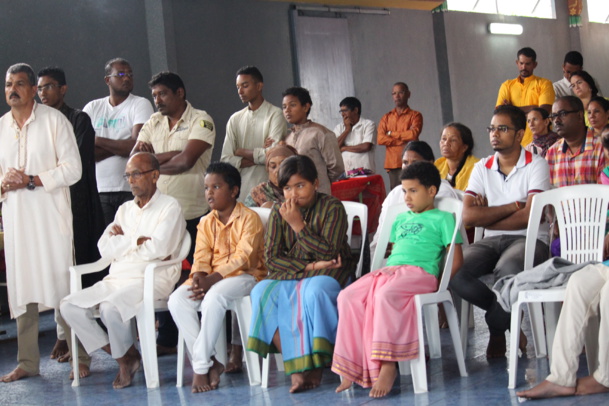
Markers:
{"x": 574, "y": 61}
{"x": 148, "y": 228}
{"x": 252, "y": 131}
{"x": 117, "y": 120}
{"x": 356, "y": 136}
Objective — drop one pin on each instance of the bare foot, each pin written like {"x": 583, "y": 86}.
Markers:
{"x": 83, "y": 371}
{"x": 313, "y": 378}
{"x": 59, "y": 350}
{"x": 387, "y": 376}
{"x": 589, "y": 386}
{"x": 522, "y": 345}
{"x": 15, "y": 375}
{"x": 546, "y": 389}
{"x": 128, "y": 364}
{"x": 496, "y": 347}
{"x": 64, "y": 358}
{"x": 161, "y": 350}
{"x": 344, "y": 385}
{"x": 214, "y": 373}
{"x": 298, "y": 383}
{"x": 200, "y": 383}
{"x": 235, "y": 361}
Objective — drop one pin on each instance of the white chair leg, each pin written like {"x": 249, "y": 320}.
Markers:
{"x": 537, "y": 328}
{"x": 432, "y": 327}
{"x": 465, "y": 313}
{"x": 417, "y": 365}
{"x": 243, "y": 310}
{"x": 147, "y": 334}
{"x": 221, "y": 349}
{"x": 181, "y": 356}
{"x": 266, "y": 366}
{"x": 76, "y": 381}
{"x": 279, "y": 362}
{"x": 551, "y": 313}
{"x": 514, "y": 341}
{"x": 453, "y": 325}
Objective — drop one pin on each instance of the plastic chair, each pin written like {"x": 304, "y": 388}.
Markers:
{"x": 427, "y": 303}
{"x": 243, "y": 310}
{"x": 360, "y": 210}
{"x": 145, "y": 316}
{"x": 581, "y": 213}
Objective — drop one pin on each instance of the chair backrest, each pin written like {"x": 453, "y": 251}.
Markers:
{"x": 264, "y": 213}
{"x": 445, "y": 204}
{"x": 185, "y": 247}
{"x": 581, "y": 214}
{"x": 360, "y": 210}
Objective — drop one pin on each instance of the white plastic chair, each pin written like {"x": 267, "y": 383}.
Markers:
{"x": 243, "y": 310}
{"x": 581, "y": 213}
{"x": 360, "y": 210}
{"x": 427, "y": 303}
{"x": 145, "y": 316}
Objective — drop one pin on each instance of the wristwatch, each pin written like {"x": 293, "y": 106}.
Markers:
{"x": 31, "y": 185}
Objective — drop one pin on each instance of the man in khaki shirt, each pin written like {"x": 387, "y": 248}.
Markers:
{"x": 181, "y": 138}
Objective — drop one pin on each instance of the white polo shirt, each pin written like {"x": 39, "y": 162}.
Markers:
{"x": 363, "y": 131}
{"x": 530, "y": 175}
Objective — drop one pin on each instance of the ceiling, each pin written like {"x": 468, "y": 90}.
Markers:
{"x": 409, "y": 4}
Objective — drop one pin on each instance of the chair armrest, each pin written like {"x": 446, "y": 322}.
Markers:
{"x": 76, "y": 271}
{"x": 149, "y": 276}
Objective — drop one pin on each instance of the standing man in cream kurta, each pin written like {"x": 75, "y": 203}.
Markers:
{"x": 181, "y": 138}
{"x": 251, "y": 131}
{"x": 39, "y": 160}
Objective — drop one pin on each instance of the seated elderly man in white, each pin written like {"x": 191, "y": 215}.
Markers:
{"x": 148, "y": 228}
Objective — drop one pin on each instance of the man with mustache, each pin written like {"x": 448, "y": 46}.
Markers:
{"x": 39, "y": 160}
{"x": 117, "y": 119}
{"x": 527, "y": 91}
{"x": 576, "y": 158}
{"x": 182, "y": 139}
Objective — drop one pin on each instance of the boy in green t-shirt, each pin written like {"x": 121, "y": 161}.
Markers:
{"x": 377, "y": 324}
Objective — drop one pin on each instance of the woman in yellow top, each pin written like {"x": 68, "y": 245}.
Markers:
{"x": 457, "y": 162}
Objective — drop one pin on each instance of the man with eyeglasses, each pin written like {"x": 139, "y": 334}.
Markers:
{"x": 498, "y": 197}
{"x": 527, "y": 91}
{"x": 88, "y": 220}
{"x": 577, "y": 157}
{"x": 38, "y": 162}
{"x": 356, "y": 136}
{"x": 148, "y": 228}
{"x": 117, "y": 120}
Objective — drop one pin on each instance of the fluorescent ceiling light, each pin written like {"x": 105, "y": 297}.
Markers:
{"x": 505, "y": 29}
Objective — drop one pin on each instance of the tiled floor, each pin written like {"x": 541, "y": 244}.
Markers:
{"x": 485, "y": 385}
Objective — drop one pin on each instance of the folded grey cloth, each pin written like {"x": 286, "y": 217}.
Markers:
{"x": 552, "y": 273}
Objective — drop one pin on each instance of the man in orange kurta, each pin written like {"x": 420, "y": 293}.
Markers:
{"x": 396, "y": 129}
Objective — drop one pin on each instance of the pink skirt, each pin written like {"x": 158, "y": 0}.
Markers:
{"x": 377, "y": 321}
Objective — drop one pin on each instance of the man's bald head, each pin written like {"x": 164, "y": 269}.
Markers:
{"x": 142, "y": 173}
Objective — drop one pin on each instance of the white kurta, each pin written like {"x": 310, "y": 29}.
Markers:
{"x": 249, "y": 129}
{"x": 38, "y": 224}
{"x": 162, "y": 220}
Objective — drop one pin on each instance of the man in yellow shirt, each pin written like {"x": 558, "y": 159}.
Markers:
{"x": 527, "y": 91}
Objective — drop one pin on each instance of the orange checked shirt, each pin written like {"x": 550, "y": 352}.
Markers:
{"x": 404, "y": 128}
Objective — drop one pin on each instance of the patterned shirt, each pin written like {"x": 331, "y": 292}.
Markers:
{"x": 323, "y": 238}
{"x": 583, "y": 167}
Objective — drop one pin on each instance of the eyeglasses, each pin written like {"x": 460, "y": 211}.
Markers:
{"x": 121, "y": 75}
{"x": 48, "y": 86}
{"x": 341, "y": 111}
{"x": 501, "y": 128}
{"x": 136, "y": 175}
{"x": 561, "y": 114}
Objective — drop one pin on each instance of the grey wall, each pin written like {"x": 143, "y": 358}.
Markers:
{"x": 79, "y": 36}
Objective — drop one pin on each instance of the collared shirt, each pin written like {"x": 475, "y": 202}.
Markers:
{"x": 249, "y": 129}
{"x": 230, "y": 249}
{"x": 404, "y": 128}
{"x": 116, "y": 123}
{"x": 585, "y": 166}
{"x": 323, "y": 238}
{"x": 363, "y": 131}
{"x": 320, "y": 144}
{"x": 562, "y": 88}
{"x": 530, "y": 175}
{"x": 187, "y": 187}
{"x": 534, "y": 91}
